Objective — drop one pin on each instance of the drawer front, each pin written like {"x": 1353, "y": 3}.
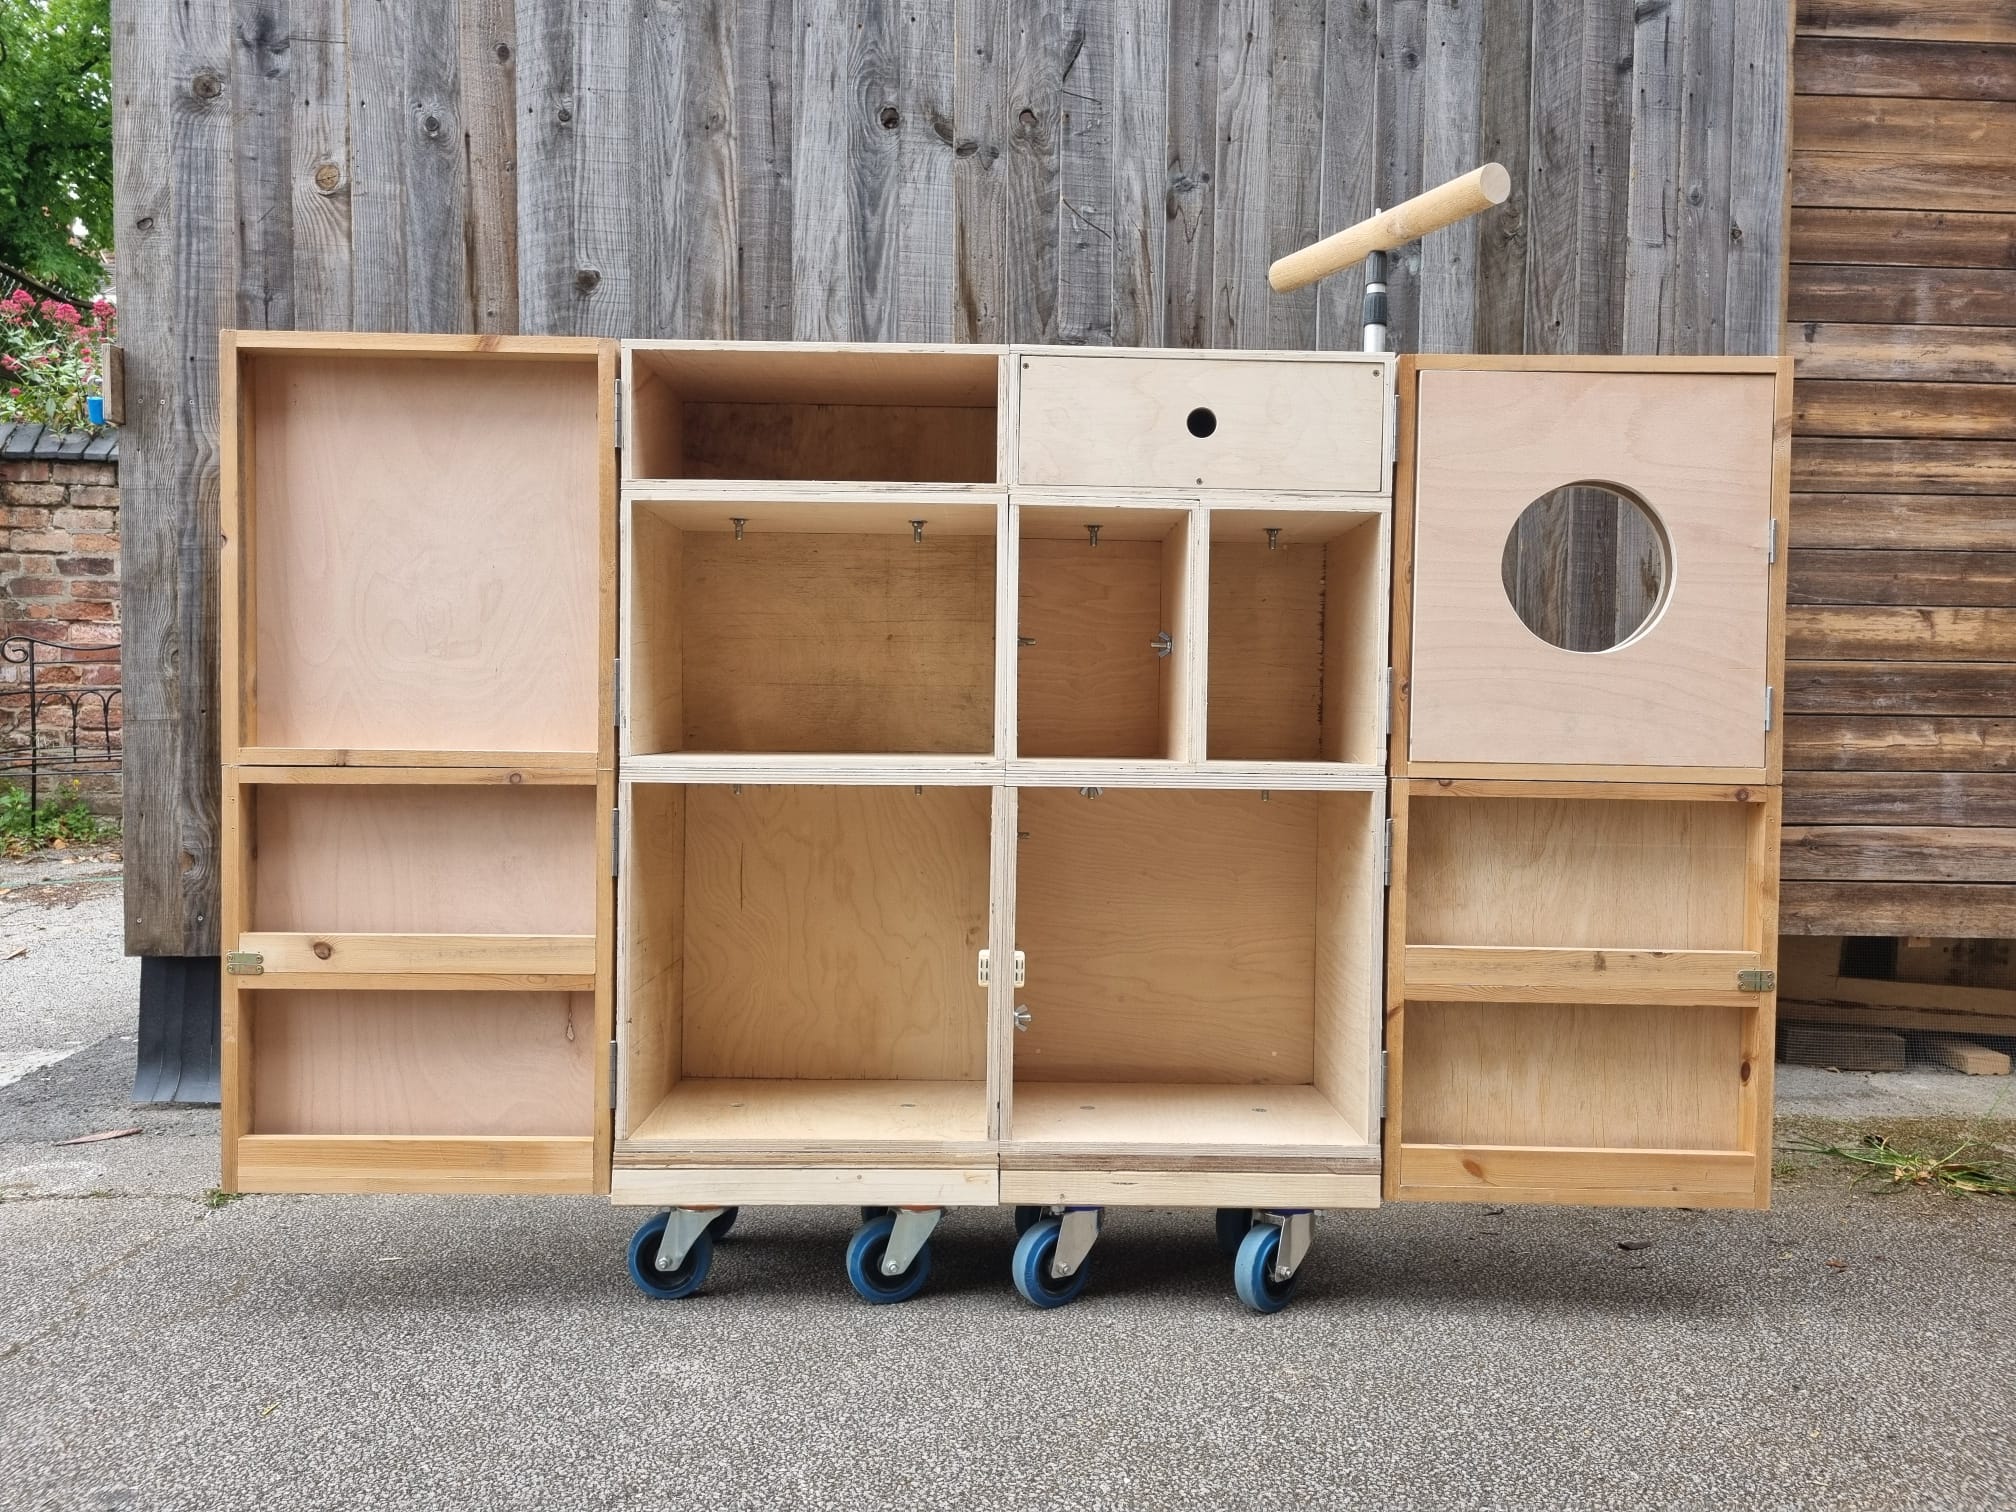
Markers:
{"x": 1201, "y": 422}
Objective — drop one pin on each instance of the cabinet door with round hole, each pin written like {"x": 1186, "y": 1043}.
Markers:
{"x": 1593, "y": 568}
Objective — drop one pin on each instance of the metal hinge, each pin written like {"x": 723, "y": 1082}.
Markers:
{"x": 1771, "y": 540}
{"x": 986, "y": 972}
{"x": 616, "y": 840}
{"x": 616, "y": 691}
{"x": 244, "y": 963}
{"x": 619, "y": 414}
{"x": 612, "y": 1075}
{"x": 1386, "y": 855}
{"x": 1768, "y": 695}
{"x": 1756, "y": 981}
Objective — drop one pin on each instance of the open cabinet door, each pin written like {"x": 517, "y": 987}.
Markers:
{"x": 1582, "y": 926}
{"x": 417, "y": 629}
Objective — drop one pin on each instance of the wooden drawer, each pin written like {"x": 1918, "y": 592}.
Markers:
{"x": 1130, "y": 421}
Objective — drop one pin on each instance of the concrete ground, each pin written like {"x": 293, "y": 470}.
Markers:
{"x": 1849, "y": 1349}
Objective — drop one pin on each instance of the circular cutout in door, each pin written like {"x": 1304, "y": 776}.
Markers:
{"x": 1587, "y": 566}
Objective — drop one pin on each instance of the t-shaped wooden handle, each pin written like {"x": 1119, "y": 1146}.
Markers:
{"x": 1444, "y": 205}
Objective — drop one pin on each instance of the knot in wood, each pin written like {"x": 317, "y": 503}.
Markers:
{"x": 890, "y": 117}
{"x": 206, "y": 86}
{"x": 323, "y": 950}
{"x": 327, "y": 176}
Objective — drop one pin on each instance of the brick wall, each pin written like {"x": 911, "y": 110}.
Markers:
{"x": 59, "y": 581}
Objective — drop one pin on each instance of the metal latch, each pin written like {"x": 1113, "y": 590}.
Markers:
{"x": 987, "y": 968}
{"x": 1756, "y": 981}
{"x": 244, "y": 963}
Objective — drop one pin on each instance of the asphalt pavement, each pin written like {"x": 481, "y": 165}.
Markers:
{"x": 1849, "y": 1349}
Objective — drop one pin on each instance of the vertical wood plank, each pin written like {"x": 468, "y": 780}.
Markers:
{"x": 1035, "y": 63}
{"x": 1652, "y": 270}
{"x": 843, "y": 211}
{"x": 1453, "y": 98}
{"x": 262, "y": 89}
{"x": 925, "y": 202}
{"x": 487, "y": 76}
{"x": 979, "y": 172}
{"x": 1085, "y": 174}
{"x": 605, "y": 243}
{"x": 1701, "y": 248}
{"x": 1239, "y": 292}
{"x": 1609, "y": 130}
{"x": 684, "y": 278}
{"x": 1504, "y": 136}
{"x": 545, "y": 165}
{"x": 1190, "y": 207}
{"x": 1399, "y": 101}
{"x": 1349, "y": 161}
{"x": 318, "y": 161}
{"x": 1554, "y": 178}
{"x": 765, "y": 75}
{"x": 377, "y": 167}
{"x": 1295, "y": 67}
{"x": 1759, "y": 124}
{"x": 1140, "y": 127}
{"x": 173, "y": 204}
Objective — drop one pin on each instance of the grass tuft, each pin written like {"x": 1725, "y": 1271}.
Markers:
{"x": 1950, "y": 1172}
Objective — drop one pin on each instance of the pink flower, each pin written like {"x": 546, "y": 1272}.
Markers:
{"x": 21, "y": 298}
{"x": 62, "y": 314}
{"x": 9, "y": 363}
{"x": 102, "y": 308}
{"x": 14, "y": 393}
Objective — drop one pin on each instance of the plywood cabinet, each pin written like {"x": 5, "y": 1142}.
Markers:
{"x": 982, "y": 794}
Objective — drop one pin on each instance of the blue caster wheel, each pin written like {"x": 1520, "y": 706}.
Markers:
{"x": 1025, "y": 1218}
{"x": 718, "y": 1229}
{"x": 864, "y": 1263}
{"x": 1252, "y": 1271}
{"x": 654, "y": 1282}
{"x": 1232, "y": 1226}
{"x": 870, "y": 1214}
{"x": 1031, "y": 1267}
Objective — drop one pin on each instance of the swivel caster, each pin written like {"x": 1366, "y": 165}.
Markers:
{"x": 670, "y": 1254}
{"x": 889, "y": 1257}
{"x": 1049, "y": 1267}
{"x": 1269, "y": 1262}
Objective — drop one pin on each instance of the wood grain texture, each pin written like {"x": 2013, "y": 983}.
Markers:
{"x": 1904, "y": 238}
{"x": 832, "y": 933}
{"x": 1899, "y": 853}
{"x": 1858, "y": 742}
{"x": 1938, "y": 798}
{"x": 1904, "y": 70}
{"x": 1932, "y": 411}
{"x": 1942, "y": 909}
{"x": 1170, "y": 936}
{"x": 1933, "y": 522}
{"x": 1917, "y": 578}
{"x": 1915, "y": 20}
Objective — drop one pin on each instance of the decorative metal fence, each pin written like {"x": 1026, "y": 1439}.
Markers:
{"x": 60, "y": 714}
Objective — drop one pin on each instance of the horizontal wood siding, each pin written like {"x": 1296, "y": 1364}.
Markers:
{"x": 1900, "y": 803}
{"x": 1078, "y": 171}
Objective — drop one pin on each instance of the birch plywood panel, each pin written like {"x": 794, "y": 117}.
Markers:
{"x": 1589, "y": 1076}
{"x": 1580, "y": 873}
{"x": 1170, "y": 936}
{"x": 398, "y": 1063}
{"x": 425, "y": 553}
{"x": 835, "y": 932}
{"x": 424, "y": 860}
{"x": 1688, "y": 690}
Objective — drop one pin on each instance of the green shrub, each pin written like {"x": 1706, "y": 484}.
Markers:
{"x": 61, "y": 819}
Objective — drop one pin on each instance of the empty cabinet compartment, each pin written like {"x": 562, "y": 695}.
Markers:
{"x": 800, "y": 968}
{"x": 1131, "y": 421}
{"x": 853, "y": 414}
{"x": 1202, "y": 969}
{"x": 1297, "y": 636}
{"x": 411, "y": 1064}
{"x": 420, "y": 860}
{"x": 1589, "y": 874}
{"x": 837, "y": 628}
{"x": 419, "y": 552}
{"x": 1104, "y": 659}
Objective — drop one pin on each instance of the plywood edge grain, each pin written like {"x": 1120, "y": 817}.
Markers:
{"x": 969, "y": 1186}
{"x": 1136, "y": 1188}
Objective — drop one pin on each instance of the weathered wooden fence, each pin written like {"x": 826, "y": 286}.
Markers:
{"x": 975, "y": 170}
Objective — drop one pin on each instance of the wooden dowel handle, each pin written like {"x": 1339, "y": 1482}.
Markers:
{"x": 1441, "y": 206}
